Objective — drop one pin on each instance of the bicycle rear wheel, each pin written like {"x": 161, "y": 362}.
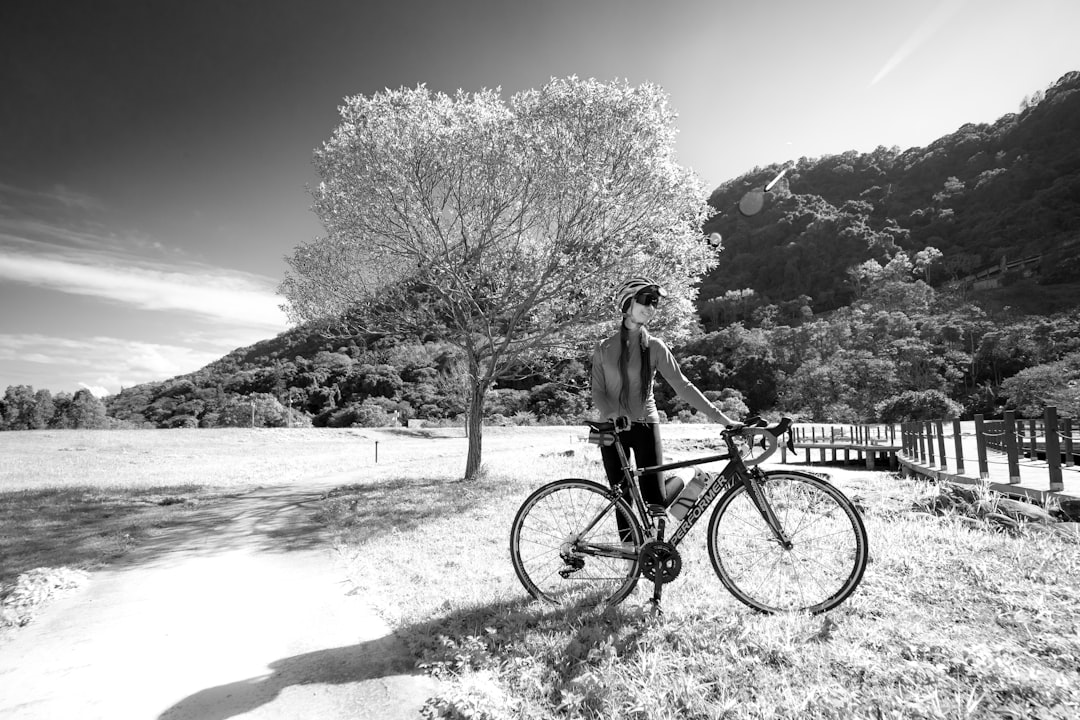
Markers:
{"x": 567, "y": 547}
{"x": 826, "y": 557}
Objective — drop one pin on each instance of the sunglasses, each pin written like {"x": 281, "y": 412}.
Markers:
{"x": 647, "y": 298}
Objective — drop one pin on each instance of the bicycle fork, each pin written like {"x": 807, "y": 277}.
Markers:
{"x": 768, "y": 514}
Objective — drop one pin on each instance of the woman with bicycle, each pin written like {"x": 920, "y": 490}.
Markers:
{"x": 623, "y": 367}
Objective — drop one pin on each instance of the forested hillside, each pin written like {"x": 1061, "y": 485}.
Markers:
{"x": 868, "y": 288}
{"x": 983, "y": 193}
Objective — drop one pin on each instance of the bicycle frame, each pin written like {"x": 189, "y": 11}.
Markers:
{"x": 576, "y": 535}
{"x": 735, "y": 470}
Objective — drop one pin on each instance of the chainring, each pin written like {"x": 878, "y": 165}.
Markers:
{"x": 660, "y": 558}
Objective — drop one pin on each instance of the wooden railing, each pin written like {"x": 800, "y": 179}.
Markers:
{"x": 866, "y": 441}
{"x": 925, "y": 442}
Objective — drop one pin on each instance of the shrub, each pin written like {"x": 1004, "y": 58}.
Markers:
{"x": 369, "y": 413}
{"x": 254, "y": 410}
{"x": 554, "y": 400}
{"x": 689, "y": 417}
{"x": 506, "y": 402}
{"x": 917, "y": 405}
{"x": 1032, "y": 389}
{"x": 526, "y": 419}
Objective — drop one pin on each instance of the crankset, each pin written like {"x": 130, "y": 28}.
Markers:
{"x": 660, "y": 560}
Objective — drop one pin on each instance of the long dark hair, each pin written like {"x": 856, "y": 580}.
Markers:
{"x": 624, "y": 364}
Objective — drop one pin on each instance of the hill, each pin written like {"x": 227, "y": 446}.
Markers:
{"x": 981, "y": 195}
{"x": 800, "y": 316}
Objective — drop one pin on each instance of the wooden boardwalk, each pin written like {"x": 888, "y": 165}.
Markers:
{"x": 938, "y": 459}
{"x": 1034, "y": 475}
{"x": 846, "y": 452}
{"x": 845, "y": 443}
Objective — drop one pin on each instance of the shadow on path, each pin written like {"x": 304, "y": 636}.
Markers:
{"x": 445, "y": 645}
{"x": 384, "y": 658}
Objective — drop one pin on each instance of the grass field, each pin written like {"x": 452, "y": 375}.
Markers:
{"x": 82, "y": 498}
{"x": 952, "y": 620}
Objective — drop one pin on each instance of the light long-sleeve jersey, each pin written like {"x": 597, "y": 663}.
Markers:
{"x": 606, "y": 382}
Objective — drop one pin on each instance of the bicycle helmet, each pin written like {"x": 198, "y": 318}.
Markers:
{"x": 632, "y": 287}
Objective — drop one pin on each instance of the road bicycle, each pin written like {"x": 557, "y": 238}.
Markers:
{"x": 780, "y": 540}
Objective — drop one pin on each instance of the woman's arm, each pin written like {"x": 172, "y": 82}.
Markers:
{"x": 601, "y": 401}
{"x": 669, "y": 369}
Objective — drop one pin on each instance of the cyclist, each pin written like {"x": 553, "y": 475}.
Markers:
{"x": 623, "y": 367}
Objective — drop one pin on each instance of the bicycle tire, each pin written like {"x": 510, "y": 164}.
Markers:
{"x": 829, "y": 548}
{"x": 546, "y": 539}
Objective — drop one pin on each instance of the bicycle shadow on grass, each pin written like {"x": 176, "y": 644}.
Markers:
{"x": 408, "y": 662}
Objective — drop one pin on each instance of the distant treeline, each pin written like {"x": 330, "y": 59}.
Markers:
{"x": 901, "y": 351}
{"x": 23, "y": 408}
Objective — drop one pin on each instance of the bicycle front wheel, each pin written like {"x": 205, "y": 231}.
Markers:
{"x": 576, "y": 542}
{"x": 820, "y": 566}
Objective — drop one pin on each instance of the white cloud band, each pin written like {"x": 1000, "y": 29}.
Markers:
{"x": 233, "y": 297}
{"x": 104, "y": 363}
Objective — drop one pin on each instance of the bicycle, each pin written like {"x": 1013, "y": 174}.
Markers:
{"x": 779, "y": 540}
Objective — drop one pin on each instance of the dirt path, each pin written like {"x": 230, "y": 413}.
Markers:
{"x": 241, "y": 613}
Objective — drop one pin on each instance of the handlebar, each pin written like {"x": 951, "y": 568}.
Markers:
{"x": 603, "y": 433}
{"x": 756, "y": 422}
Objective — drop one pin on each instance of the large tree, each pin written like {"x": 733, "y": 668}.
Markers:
{"x": 502, "y": 227}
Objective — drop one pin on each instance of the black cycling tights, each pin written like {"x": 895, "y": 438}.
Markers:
{"x": 643, "y": 440}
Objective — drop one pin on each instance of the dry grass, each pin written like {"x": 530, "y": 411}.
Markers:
{"x": 221, "y": 458}
{"x": 76, "y": 500}
{"x": 951, "y": 621}
{"x": 83, "y": 498}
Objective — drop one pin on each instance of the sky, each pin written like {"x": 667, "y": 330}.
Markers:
{"x": 155, "y": 156}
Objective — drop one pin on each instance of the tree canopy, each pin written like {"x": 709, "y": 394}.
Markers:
{"x": 501, "y": 226}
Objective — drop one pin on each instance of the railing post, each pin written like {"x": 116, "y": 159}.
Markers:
{"x": 871, "y": 454}
{"x": 1053, "y": 449}
{"x": 929, "y": 443}
{"x": 980, "y": 448}
{"x": 1011, "y": 452}
{"x": 922, "y": 442}
{"x": 1034, "y": 440}
{"x": 958, "y": 443}
{"x": 1069, "y": 462}
{"x": 941, "y": 444}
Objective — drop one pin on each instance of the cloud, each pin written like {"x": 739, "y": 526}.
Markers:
{"x": 96, "y": 390}
{"x": 213, "y": 293}
{"x": 105, "y": 364}
{"x": 62, "y": 241}
{"x": 55, "y": 240}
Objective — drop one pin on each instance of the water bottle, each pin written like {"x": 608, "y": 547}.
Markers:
{"x": 690, "y": 493}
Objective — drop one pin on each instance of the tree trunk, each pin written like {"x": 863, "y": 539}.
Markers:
{"x": 474, "y": 428}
